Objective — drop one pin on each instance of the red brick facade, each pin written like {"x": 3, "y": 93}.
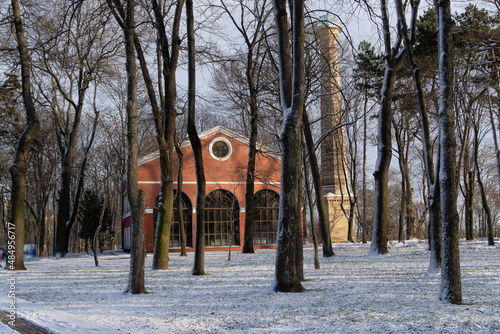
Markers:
{"x": 225, "y": 156}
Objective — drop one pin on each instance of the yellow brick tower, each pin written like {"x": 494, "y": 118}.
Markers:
{"x": 332, "y": 147}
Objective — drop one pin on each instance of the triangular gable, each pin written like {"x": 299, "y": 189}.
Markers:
{"x": 205, "y": 134}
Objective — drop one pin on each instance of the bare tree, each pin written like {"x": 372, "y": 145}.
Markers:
{"x": 135, "y": 196}
{"x": 16, "y": 225}
{"x": 199, "y": 255}
{"x": 169, "y": 47}
{"x": 79, "y": 46}
{"x": 393, "y": 56}
{"x": 250, "y": 19}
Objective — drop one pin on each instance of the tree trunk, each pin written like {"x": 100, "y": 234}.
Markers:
{"x": 41, "y": 232}
{"x": 165, "y": 217}
{"x": 180, "y": 213}
{"x": 432, "y": 177}
{"x": 166, "y": 205}
{"x": 291, "y": 78}
{"x": 199, "y": 251}
{"x": 435, "y": 235}
{"x": 311, "y": 214}
{"x": 324, "y": 222}
{"x": 250, "y": 179}
{"x": 469, "y": 185}
{"x": 401, "y": 212}
{"x": 16, "y": 225}
{"x": 493, "y": 127}
{"x": 252, "y": 151}
{"x": 136, "y": 197}
{"x": 364, "y": 214}
{"x": 299, "y": 242}
{"x": 494, "y": 132}
{"x": 451, "y": 286}
{"x": 486, "y": 207}
{"x": 384, "y": 151}
{"x": 381, "y": 174}
{"x": 98, "y": 230}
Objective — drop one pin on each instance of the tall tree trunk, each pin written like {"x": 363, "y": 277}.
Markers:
{"x": 324, "y": 222}
{"x": 291, "y": 78}
{"x": 364, "y": 212}
{"x": 451, "y": 285}
{"x": 409, "y": 207}
{"x": 311, "y": 214}
{"x": 486, "y": 207}
{"x": 401, "y": 219}
{"x": 67, "y": 213}
{"x": 199, "y": 251}
{"x": 16, "y": 225}
{"x": 350, "y": 189}
{"x": 166, "y": 205}
{"x": 432, "y": 177}
{"x": 250, "y": 177}
{"x": 469, "y": 185}
{"x": 136, "y": 197}
{"x": 252, "y": 151}
{"x": 379, "y": 234}
{"x": 41, "y": 233}
{"x": 384, "y": 140}
{"x": 299, "y": 242}
{"x": 493, "y": 127}
{"x": 180, "y": 213}
{"x": 97, "y": 231}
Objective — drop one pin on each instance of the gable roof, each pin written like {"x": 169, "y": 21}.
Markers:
{"x": 205, "y": 134}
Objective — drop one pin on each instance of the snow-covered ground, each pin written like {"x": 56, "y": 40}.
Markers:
{"x": 351, "y": 293}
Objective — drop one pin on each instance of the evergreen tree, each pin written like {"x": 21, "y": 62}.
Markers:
{"x": 89, "y": 215}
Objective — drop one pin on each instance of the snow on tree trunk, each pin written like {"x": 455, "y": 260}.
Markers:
{"x": 291, "y": 77}
{"x": 384, "y": 140}
{"x": 451, "y": 286}
{"x": 379, "y": 234}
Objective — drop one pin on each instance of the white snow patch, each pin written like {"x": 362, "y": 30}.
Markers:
{"x": 352, "y": 293}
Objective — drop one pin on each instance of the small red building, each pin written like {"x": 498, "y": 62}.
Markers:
{"x": 225, "y": 156}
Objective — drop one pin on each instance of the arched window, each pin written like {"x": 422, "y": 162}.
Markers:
{"x": 175, "y": 231}
{"x": 266, "y": 217}
{"x": 222, "y": 214}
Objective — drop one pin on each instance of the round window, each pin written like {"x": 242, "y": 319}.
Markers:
{"x": 220, "y": 149}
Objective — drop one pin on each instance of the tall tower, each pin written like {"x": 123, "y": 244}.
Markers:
{"x": 333, "y": 146}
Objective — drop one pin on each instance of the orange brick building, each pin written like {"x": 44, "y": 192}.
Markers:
{"x": 225, "y": 155}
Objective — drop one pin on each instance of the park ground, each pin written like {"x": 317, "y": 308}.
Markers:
{"x": 351, "y": 293}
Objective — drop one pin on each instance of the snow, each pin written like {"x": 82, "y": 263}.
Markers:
{"x": 56, "y": 321}
{"x": 351, "y": 293}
